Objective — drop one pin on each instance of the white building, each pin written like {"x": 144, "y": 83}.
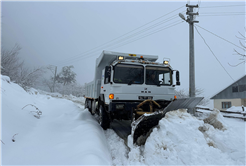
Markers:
{"x": 233, "y": 95}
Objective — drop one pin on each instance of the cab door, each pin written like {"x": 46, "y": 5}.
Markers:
{"x": 106, "y": 80}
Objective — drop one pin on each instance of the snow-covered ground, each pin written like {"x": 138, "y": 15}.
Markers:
{"x": 182, "y": 139}
{"x": 236, "y": 109}
{"x": 67, "y": 134}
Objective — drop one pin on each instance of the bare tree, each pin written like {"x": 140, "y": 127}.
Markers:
{"x": 242, "y": 40}
{"x": 181, "y": 94}
{"x": 10, "y": 62}
{"x": 12, "y": 66}
{"x": 198, "y": 91}
{"x": 28, "y": 78}
{"x": 48, "y": 83}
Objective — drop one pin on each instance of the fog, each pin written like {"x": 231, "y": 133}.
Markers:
{"x": 75, "y": 33}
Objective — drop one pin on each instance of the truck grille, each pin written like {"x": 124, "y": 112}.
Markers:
{"x": 145, "y": 97}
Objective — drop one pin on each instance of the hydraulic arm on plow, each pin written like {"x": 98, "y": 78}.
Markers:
{"x": 139, "y": 110}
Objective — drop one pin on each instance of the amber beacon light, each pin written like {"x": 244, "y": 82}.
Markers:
{"x": 111, "y": 96}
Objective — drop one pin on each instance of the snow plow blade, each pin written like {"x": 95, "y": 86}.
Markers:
{"x": 142, "y": 127}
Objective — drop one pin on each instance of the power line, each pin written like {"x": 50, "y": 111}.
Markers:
{"x": 222, "y": 12}
{"x": 136, "y": 33}
{"x": 153, "y": 32}
{"x": 156, "y": 30}
{"x": 76, "y": 59}
{"x": 88, "y": 55}
{"x": 213, "y": 53}
{"x": 103, "y": 45}
{"x": 153, "y": 26}
{"x": 221, "y": 6}
{"x": 126, "y": 33}
{"x": 124, "y": 39}
{"x": 222, "y": 15}
{"x": 110, "y": 45}
{"x": 219, "y": 37}
{"x": 142, "y": 31}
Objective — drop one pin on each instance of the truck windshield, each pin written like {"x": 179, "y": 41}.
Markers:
{"x": 128, "y": 74}
{"x": 158, "y": 76}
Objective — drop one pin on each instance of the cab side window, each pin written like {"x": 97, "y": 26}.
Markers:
{"x": 107, "y": 74}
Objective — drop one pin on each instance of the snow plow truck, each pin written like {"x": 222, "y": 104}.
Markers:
{"x": 134, "y": 87}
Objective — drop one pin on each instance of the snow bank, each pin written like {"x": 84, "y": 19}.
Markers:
{"x": 65, "y": 134}
{"x": 5, "y": 78}
{"x": 182, "y": 139}
{"x": 80, "y": 100}
{"x": 216, "y": 119}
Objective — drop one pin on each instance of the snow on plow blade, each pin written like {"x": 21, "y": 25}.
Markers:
{"x": 141, "y": 128}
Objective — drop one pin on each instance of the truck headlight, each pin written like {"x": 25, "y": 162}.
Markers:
{"x": 165, "y": 62}
{"x": 121, "y": 58}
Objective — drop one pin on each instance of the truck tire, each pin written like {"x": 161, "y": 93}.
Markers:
{"x": 103, "y": 118}
{"x": 93, "y": 107}
{"x": 88, "y": 105}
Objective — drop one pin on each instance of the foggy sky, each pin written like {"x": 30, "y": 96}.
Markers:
{"x": 61, "y": 33}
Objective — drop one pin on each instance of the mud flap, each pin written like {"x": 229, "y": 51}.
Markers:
{"x": 142, "y": 127}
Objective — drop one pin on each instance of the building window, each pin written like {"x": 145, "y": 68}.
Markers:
{"x": 244, "y": 102}
{"x": 235, "y": 89}
{"x": 226, "y": 105}
{"x": 242, "y": 88}
{"x": 239, "y": 88}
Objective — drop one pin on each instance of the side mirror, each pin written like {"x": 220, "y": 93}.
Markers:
{"x": 177, "y": 78}
{"x": 107, "y": 74}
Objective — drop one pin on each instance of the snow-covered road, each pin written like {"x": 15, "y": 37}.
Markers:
{"x": 67, "y": 134}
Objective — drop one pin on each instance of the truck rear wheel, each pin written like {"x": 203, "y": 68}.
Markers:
{"x": 93, "y": 107}
{"x": 103, "y": 118}
{"x": 86, "y": 103}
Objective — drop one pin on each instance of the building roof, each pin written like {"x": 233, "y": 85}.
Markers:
{"x": 226, "y": 93}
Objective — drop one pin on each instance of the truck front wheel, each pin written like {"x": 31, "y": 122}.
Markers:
{"x": 103, "y": 118}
